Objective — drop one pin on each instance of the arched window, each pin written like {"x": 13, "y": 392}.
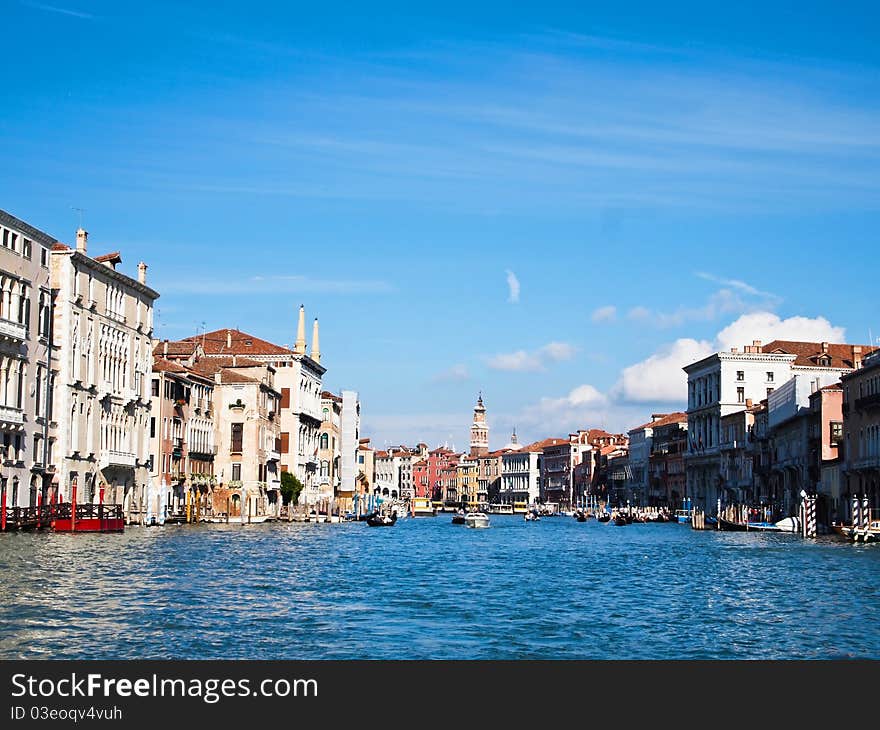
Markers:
{"x": 326, "y": 414}
{"x": 324, "y": 441}
{"x": 325, "y": 468}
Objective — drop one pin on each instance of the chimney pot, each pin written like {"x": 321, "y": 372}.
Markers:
{"x": 142, "y": 272}
{"x": 734, "y": 350}
{"x": 756, "y": 343}
{"x": 824, "y": 347}
{"x": 228, "y": 338}
{"x": 748, "y": 402}
{"x": 82, "y": 238}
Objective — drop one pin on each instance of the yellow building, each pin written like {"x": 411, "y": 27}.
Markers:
{"x": 466, "y": 479}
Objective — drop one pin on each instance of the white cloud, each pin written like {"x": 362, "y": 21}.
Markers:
{"x": 722, "y": 302}
{"x": 660, "y": 378}
{"x": 55, "y": 9}
{"x": 534, "y": 360}
{"x": 513, "y": 287}
{"x": 767, "y": 326}
{"x": 455, "y": 374}
{"x": 608, "y": 313}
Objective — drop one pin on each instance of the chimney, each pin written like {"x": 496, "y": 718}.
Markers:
{"x": 857, "y": 356}
{"x": 734, "y": 350}
{"x": 82, "y": 237}
{"x": 825, "y": 347}
{"x": 142, "y": 273}
{"x": 316, "y": 348}
{"x": 165, "y": 349}
{"x": 299, "y": 346}
{"x": 756, "y": 343}
{"x": 229, "y": 339}
{"x": 748, "y": 402}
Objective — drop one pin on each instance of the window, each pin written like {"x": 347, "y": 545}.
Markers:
{"x": 740, "y": 375}
{"x": 237, "y": 431}
{"x": 153, "y": 427}
{"x": 836, "y": 432}
{"x": 44, "y": 257}
{"x": 155, "y": 386}
{"x": 770, "y": 376}
{"x": 236, "y": 472}
{"x": 325, "y": 439}
{"x": 740, "y": 395}
{"x": 26, "y": 248}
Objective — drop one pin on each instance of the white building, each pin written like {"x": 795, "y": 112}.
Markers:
{"x": 102, "y": 328}
{"x": 721, "y": 384}
{"x": 25, "y": 321}
{"x": 521, "y": 473}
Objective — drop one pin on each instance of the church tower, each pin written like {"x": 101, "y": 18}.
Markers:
{"x": 479, "y": 430}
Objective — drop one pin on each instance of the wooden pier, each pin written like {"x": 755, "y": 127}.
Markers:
{"x": 64, "y": 517}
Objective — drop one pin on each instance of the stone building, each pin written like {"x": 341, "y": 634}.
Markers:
{"x": 25, "y": 323}
{"x": 861, "y": 433}
{"x": 102, "y": 326}
{"x": 182, "y": 443}
{"x": 247, "y": 433}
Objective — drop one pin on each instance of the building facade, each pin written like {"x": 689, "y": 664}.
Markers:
{"x": 102, "y": 329}
{"x": 25, "y": 328}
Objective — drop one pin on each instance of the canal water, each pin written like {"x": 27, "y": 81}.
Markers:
{"x": 555, "y": 589}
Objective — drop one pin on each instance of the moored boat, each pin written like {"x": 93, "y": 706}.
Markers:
{"x": 603, "y": 517}
{"x": 531, "y": 517}
{"x": 580, "y": 516}
{"x": 458, "y": 517}
{"x": 422, "y": 507}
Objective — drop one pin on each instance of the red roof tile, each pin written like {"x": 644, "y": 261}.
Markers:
{"x": 241, "y": 344}
{"x": 808, "y": 353}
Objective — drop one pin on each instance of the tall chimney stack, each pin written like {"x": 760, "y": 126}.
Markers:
{"x": 857, "y": 356}
{"x": 316, "y": 347}
{"x": 299, "y": 346}
{"x": 142, "y": 272}
{"x": 82, "y": 238}
{"x": 229, "y": 339}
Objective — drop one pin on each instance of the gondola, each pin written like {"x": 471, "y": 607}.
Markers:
{"x": 603, "y": 517}
{"x": 580, "y": 516}
{"x": 620, "y": 520}
{"x": 458, "y": 517}
{"x": 378, "y": 520}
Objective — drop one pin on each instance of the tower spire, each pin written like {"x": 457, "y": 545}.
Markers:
{"x": 300, "y": 346}
{"x": 316, "y": 347}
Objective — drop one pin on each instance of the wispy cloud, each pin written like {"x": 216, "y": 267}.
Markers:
{"x": 512, "y": 287}
{"x": 608, "y": 313}
{"x": 455, "y": 374}
{"x": 532, "y": 360}
{"x": 736, "y": 284}
{"x": 55, "y": 9}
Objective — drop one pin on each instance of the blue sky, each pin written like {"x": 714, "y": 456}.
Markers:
{"x": 558, "y": 205}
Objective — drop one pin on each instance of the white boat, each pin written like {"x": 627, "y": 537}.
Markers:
{"x": 789, "y": 524}
{"x": 476, "y": 519}
{"x": 531, "y": 517}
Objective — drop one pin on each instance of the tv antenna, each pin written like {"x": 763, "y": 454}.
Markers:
{"x": 79, "y": 212}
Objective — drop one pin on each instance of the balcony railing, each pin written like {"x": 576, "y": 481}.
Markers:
{"x": 869, "y": 462}
{"x": 12, "y": 330}
{"x": 11, "y": 415}
{"x": 118, "y": 458}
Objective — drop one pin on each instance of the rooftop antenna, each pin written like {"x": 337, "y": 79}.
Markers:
{"x": 80, "y": 212}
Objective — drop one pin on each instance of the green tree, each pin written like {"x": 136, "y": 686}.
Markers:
{"x": 290, "y": 487}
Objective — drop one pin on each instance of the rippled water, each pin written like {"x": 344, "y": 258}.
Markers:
{"x": 557, "y": 589}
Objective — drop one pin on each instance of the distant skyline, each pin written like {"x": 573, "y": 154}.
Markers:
{"x": 558, "y": 204}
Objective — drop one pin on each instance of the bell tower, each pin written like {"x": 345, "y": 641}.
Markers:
{"x": 479, "y": 430}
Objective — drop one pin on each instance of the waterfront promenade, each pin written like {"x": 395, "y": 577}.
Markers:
{"x": 557, "y": 589}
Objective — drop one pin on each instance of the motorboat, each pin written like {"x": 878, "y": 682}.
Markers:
{"x": 603, "y": 517}
{"x": 458, "y": 517}
{"x": 620, "y": 520}
{"x": 531, "y": 517}
{"x": 580, "y": 516}
{"x": 476, "y": 519}
{"x": 683, "y": 516}
{"x": 422, "y": 507}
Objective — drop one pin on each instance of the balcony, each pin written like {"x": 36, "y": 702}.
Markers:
{"x": 870, "y": 462}
{"x": 273, "y": 484}
{"x": 118, "y": 458}
{"x": 201, "y": 452}
{"x": 867, "y": 402}
{"x": 273, "y": 455}
{"x": 12, "y": 330}
{"x": 13, "y": 416}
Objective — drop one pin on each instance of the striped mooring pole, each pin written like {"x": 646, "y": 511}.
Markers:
{"x": 810, "y": 516}
{"x": 856, "y": 517}
{"x": 866, "y": 517}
